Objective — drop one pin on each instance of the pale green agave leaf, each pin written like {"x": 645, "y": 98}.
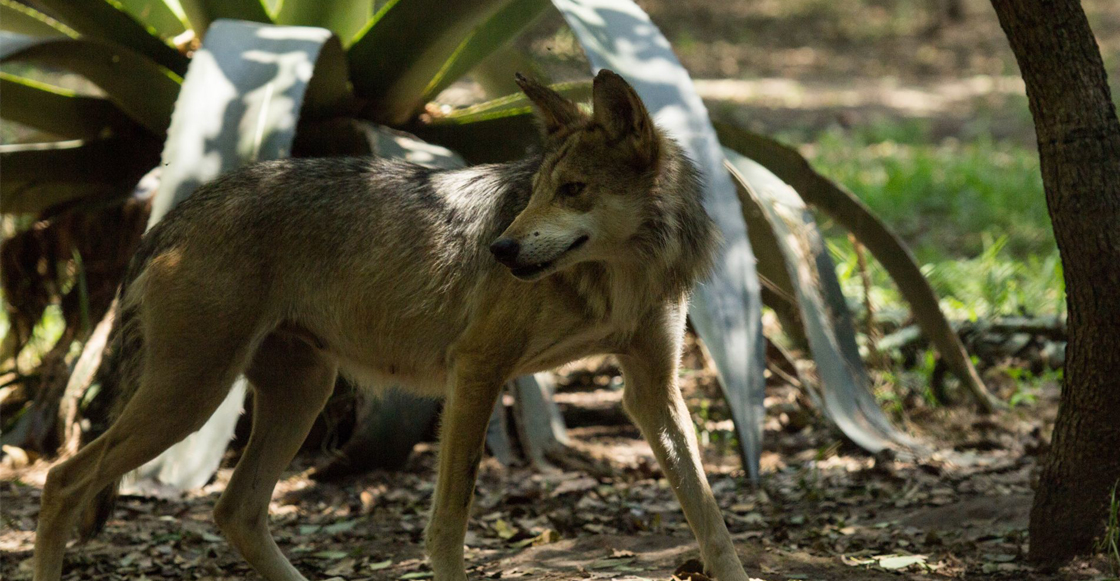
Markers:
{"x": 540, "y": 425}
{"x": 405, "y": 46}
{"x": 109, "y": 22}
{"x": 22, "y": 19}
{"x": 258, "y": 76}
{"x": 851, "y": 213}
{"x": 144, "y": 90}
{"x": 201, "y": 13}
{"x": 514, "y": 104}
{"x": 726, "y": 310}
{"x": 845, "y": 396}
{"x": 158, "y": 15}
{"x": 490, "y": 36}
{"x": 59, "y": 111}
{"x": 345, "y": 17}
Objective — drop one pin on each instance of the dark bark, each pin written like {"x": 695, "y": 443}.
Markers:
{"x": 1079, "y": 148}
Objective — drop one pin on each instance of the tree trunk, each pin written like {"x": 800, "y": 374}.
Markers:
{"x": 1079, "y": 147}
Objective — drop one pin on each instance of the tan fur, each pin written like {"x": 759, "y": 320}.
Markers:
{"x": 387, "y": 277}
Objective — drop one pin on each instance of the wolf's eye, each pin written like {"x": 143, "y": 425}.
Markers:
{"x": 570, "y": 189}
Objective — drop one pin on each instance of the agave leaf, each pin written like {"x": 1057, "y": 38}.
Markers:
{"x": 40, "y": 175}
{"x": 345, "y": 17}
{"x": 22, "y": 19}
{"x": 493, "y": 34}
{"x": 98, "y": 19}
{"x": 494, "y": 131}
{"x": 845, "y": 387}
{"x": 726, "y": 311}
{"x": 888, "y": 249}
{"x": 513, "y": 104}
{"x": 497, "y": 434}
{"x": 142, "y": 89}
{"x": 201, "y": 13}
{"x": 60, "y": 111}
{"x": 388, "y": 427}
{"x": 257, "y": 76}
{"x": 341, "y": 136}
{"x": 157, "y": 15}
{"x": 497, "y": 73}
{"x": 495, "y": 137}
{"x": 778, "y": 291}
{"x": 540, "y": 426}
{"x": 420, "y": 36}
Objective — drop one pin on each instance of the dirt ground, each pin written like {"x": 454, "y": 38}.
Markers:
{"x": 824, "y": 509}
{"x": 792, "y": 65}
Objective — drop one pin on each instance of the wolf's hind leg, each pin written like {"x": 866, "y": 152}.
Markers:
{"x": 175, "y": 397}
{"x": 292, "y": 382}
{"x": 653, "y": 399}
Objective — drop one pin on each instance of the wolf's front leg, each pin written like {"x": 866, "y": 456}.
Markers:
{"x": 653, "y": 399}
{"x": 466, "y": 414}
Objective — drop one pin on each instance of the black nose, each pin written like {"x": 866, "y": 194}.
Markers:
{"x": 505, "y": 250}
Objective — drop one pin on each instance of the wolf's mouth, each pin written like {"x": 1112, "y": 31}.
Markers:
{"x": 532, "y": 270}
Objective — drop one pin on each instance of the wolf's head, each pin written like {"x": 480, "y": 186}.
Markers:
{"x": 597, "y": 184}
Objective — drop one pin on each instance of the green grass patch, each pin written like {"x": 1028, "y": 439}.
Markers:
{"x": 974, "y": 213}
{"x": 942, "y": 198}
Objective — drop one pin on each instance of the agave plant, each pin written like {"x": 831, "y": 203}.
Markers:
{"x": 208, "y": 85}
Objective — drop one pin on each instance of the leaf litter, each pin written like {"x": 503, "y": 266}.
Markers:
{"x": 824, "y": 509}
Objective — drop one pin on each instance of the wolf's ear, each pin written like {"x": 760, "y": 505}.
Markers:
{"x": 620, "y": 112}
{"x": 554, "y": 111}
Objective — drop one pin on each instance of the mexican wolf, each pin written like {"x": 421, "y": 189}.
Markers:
{"x": 448, "y": 282}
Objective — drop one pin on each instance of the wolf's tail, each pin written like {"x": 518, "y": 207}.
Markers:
{"x": 118, "y": 375}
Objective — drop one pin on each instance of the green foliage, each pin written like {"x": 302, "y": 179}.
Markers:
{"x": 22, "y": 19}
{"x": 1109, "y": 543}
{"x": 107, "y": 21}
{"x": 486, "y": 39}
{"x": 940, "y": 197}
{"x": 143, "y": 89}
{"x": 59, "y": 111}
{"x": 343, "y": 17}
{"x": 994, "y": 283}
{"x": 122, "y": 46}
{"x": 425, "y": 37}
{"x": 201, "y": 13}
{"x": 974, "y": 213}
{"x": 45, "y": 334}
{"x": 166, "y": 20}
{"x": 1028, "y": 384}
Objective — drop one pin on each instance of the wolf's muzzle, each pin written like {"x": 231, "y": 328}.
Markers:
{"x": 505, "y": 250}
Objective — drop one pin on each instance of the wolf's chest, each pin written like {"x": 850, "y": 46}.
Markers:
{"x": 567, "y": 344}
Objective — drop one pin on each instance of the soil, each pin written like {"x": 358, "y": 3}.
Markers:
{"x": 801, "y": 65}
{"x": 823, "y": 510}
